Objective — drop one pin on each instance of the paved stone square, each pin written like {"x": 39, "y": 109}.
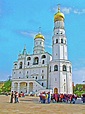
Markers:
{"x": 31, "y": 105}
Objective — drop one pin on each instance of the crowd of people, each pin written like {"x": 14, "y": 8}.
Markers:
{"x": 14, "y": 97}
{"x": 44, "y": 97}
{"x": 47, "y": 98}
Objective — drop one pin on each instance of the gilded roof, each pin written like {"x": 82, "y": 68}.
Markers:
{"x": 59, "y": 16}
{"x": 39, "y": 35}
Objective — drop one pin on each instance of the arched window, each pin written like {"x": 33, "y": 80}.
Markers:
{"x": 42, "y": 71}
{"x": 28, "y": 63}
{"x": 64, "y": 68}
{"x": 27, "y": 76}
{"x": 42, "y": 77}
{"x": 43, "y": 56}
{"x": 43, "y": 62}
{"x": 61, "y": 40}
{"x": 20, "y": 65}
{"x": 56, "y": 68}
{"x": 36, "y": 61}
{"x": 56, "y": 40}
{"x": 29, "y": 58}
{"x": 70, "y": 69}
{"x": 27, "y": 72}
{"x": 36, "y": 77}
{"x": 42, "y": 84}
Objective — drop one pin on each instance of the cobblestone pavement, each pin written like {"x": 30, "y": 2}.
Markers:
{"x": 31, "y": 105}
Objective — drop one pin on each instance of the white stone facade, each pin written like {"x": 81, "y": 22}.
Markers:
{"x": 31, "y": 68}
{"x": 41, "y": 70}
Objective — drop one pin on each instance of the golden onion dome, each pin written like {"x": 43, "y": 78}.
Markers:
{"x": 39, "y": 35}
{"x": 59, "y": 16}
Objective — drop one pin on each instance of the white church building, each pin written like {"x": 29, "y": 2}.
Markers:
{"x": 41, "y": 70}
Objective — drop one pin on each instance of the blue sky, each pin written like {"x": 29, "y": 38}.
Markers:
{"x": 20, "y": 21}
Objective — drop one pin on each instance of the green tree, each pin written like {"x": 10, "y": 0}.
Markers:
{"x": 78, "y": 89}
{"x": 6, "y": 87}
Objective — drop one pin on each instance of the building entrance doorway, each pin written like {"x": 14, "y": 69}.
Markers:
{"x": 56, "y": 90}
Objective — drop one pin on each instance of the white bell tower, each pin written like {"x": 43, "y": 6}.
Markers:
{"x": 39, "y": 47}
{"x": 59, "y": 41}
{"x": 60, "y": 68}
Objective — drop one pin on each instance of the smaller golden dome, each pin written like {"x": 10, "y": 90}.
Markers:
{"x": 59, "y": 16}
{"x": 39, "y": 35}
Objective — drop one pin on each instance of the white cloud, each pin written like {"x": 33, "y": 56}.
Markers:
{"x": 29, "y": 34}
{"x": 76, "y": 11}
{"x": 54, "y": 9}
{"x": 66, "y": 10}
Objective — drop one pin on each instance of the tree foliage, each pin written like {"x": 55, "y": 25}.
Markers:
{"x": 79, "y": 89}
{"x": 6, "y": 87}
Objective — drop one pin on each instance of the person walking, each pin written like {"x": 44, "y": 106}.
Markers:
{"x": 12, "y": 96}
{"x": 17, "y": 97}
{"x": 48, "y": 100}
{"x": 46, "y": 97}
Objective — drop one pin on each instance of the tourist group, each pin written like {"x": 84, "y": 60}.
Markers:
{"x": 66, "y": 98}
{"x": 14, "y": 97}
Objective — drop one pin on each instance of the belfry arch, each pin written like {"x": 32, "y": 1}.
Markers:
{"x": 36, "y": 61}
